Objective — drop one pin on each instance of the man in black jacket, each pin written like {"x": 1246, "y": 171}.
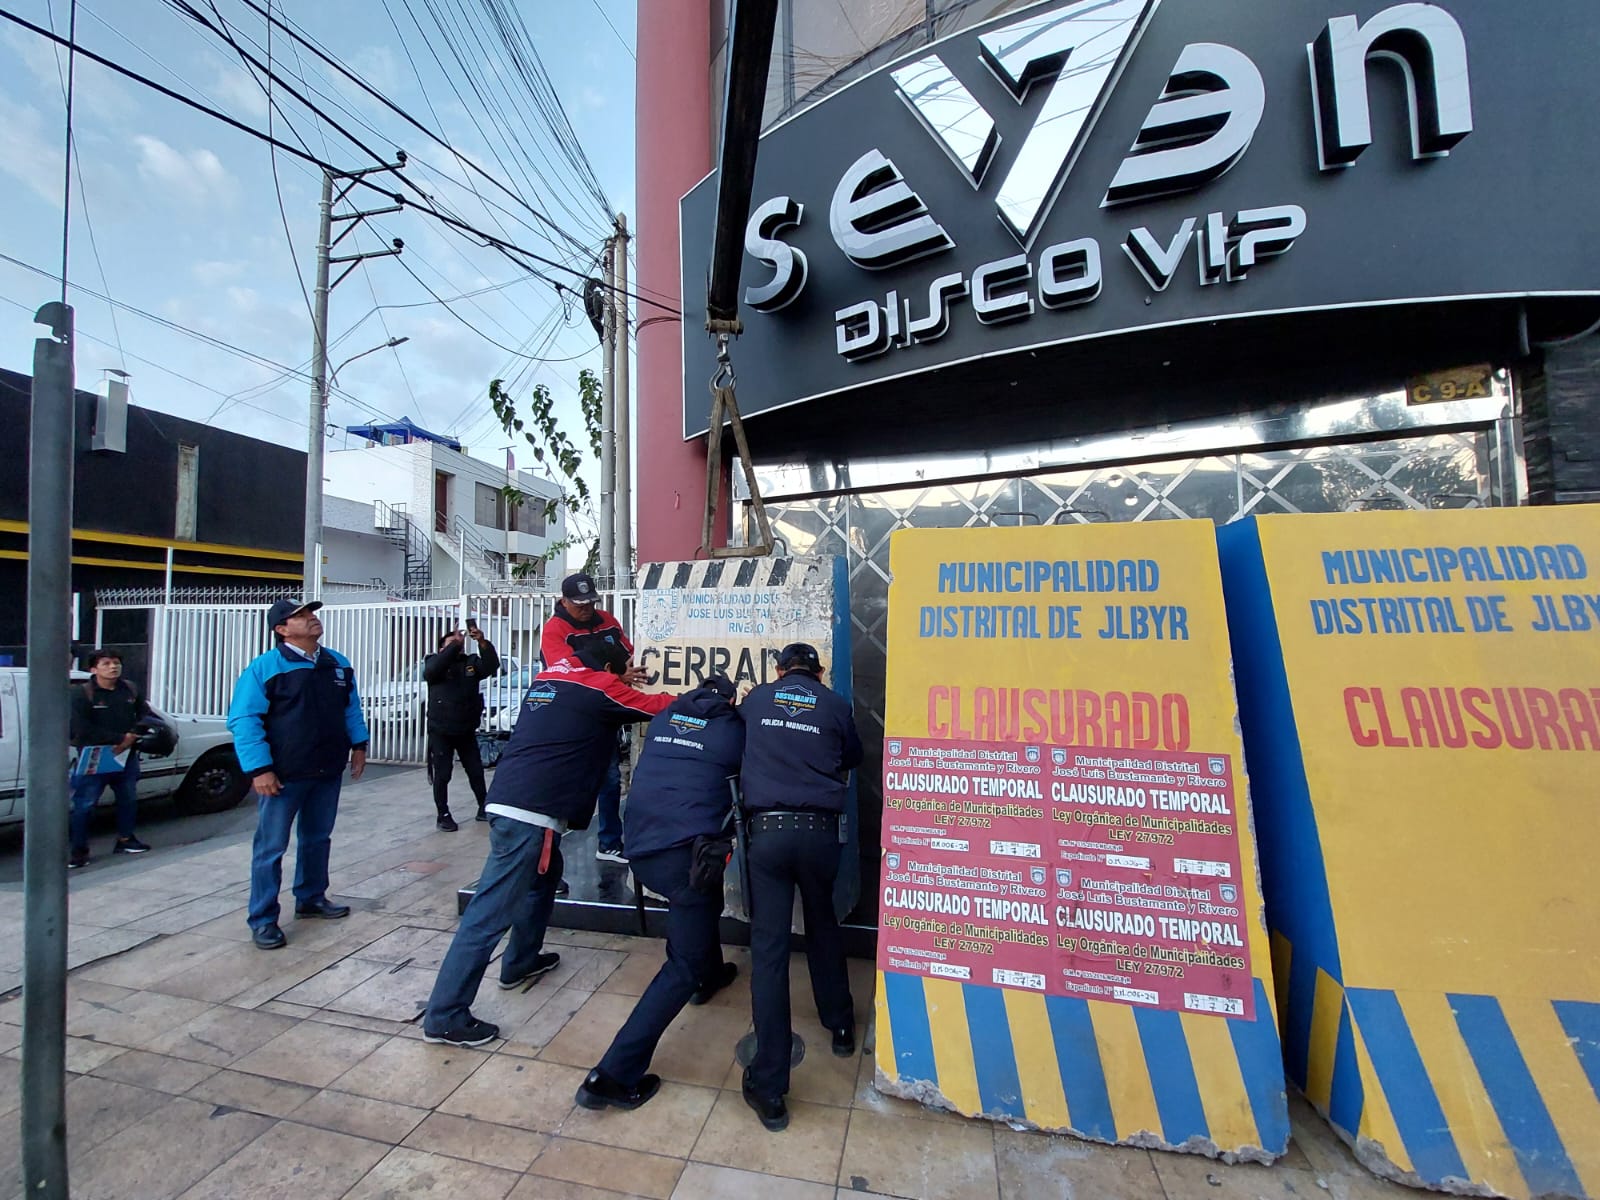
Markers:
{"x": 104, "y": 712}
{"x": 800, "y": 746}
{"x": 455, "y": 706}
{"x": 544, "y": 785}
{"x": 682, "y": 790}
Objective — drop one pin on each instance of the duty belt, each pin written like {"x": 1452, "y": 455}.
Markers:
{"x": 793, "y": 820}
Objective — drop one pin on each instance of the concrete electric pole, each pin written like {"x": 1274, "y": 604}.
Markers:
{"x": 623, "y": 418}
{"x": 317, "y": 418}
{"x": 608, "y": 460}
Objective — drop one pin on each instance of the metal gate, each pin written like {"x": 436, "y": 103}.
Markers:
{"x": 198, "y": 651}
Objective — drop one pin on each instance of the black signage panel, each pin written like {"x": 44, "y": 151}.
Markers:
{"x": 1092, "y": 167}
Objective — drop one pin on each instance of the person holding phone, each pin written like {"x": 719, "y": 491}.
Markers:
{"x": 454, "y": 675}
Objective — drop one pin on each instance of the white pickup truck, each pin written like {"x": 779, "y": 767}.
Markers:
{"x": 203, "y": 770}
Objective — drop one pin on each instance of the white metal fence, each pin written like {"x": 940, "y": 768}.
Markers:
{"x": 198, "y": 651}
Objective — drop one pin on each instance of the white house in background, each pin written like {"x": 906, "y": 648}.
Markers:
{"x": 441, "y": 512}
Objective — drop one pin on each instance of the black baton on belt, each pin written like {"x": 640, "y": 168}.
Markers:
{"x": 741, "y": 846}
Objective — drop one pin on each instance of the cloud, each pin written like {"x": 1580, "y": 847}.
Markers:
{"x": 30, "y": 150}
{"x": 239, "y": 92}
{"x": 197, "y": 176}
{"x": 213, "y": 272}
{"x": 592, "y": 98}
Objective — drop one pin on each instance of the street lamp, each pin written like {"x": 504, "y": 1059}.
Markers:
{"x": 334, "y": 378}
{"x": 314, "y": 480}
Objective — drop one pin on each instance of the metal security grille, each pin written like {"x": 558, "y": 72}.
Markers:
{"x": 1445, "y": 470}
{"x": 198, "y": 651}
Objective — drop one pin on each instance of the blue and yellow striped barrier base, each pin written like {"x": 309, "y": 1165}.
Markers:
{"x": 1459, "y": 1091}
{"x": 1109, "y": 1072}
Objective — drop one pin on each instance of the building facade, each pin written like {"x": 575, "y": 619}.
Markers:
{"x": 1133, "y": 260}
{"x": 444, "y": 514}
{"x": 184, "y": 504}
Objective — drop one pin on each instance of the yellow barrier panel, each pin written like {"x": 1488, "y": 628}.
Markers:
{"x": 1071, "y": 930}
{"x": 1421, "y": 702}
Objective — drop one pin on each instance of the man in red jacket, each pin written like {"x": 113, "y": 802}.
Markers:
{"x": 577, "y": 620}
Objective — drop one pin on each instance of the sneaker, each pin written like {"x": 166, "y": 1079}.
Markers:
{"x": 446, "y": 823}
{"x": 611, "y": 854}
{"x": 543, "y": 964}
{"x": 563, "y": 888}
{"x": 129, "y": 845}
{"x": 80, "y": 858}
{"x": 472, "y": 1032}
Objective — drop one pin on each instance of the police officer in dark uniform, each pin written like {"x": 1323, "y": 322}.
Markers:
{"x": 455, "y": 706}
{"x": 681, "y": 792}
{"x": 800, "y": 745}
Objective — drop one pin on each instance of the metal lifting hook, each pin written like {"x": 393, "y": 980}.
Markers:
{"x": 724, "y": 376}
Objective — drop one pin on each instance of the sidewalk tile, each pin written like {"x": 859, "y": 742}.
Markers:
{"x": 400, "y": 945}
{"x": 85, "y": 948}
{"x": 537, "y": 1187}
{"x": 360, "y": 1116}
{"x": 554, "y": 1009}
{"x": 222, "y": 977}
{"x": 586, "y": 1035}
{"x": 10, "y": 1085}
{"x": 636, "y": 972}
{"x": 390, "y": 994}
{"x": 83, "y": 1054}
{"x": 165, "y": 1153}
{"x": 479, "y": 1141}
{"x": 1316, "y": 1140}
{"x": 100, "y": 1108}
{"x": 291, "y": 1162}
{"x": 252, "y": 1093}
{"x": 10, "y": 1037}
{"x": 628, "y": 1171}
{"x": 136, "y": 1019}
{"x": 411, "y": 1072}
{"x": 669, "y": 1124}
{"x": 703, "y": 1182}
{"x": 311, "y": 1053}
{"x": 222, "y": 1036}
{"x": 1024, "y": 1158}
{"x": 1190, "y": 1177}
{"x": 331, "y": 982}
{"x": 809, "y": 1149}
{"x": 823, "y": 1077}
{"x": 583, "y": 968}
{"x": 165, "y": 956}
{"x": 155, "y": 1071}
{"x": 927, "y": 1159}
{"x": 516, "y": 1091}
{"x": 332, "y": 1016}
{"x": 190, "y": 915}
{"x": 406, "y": 1174}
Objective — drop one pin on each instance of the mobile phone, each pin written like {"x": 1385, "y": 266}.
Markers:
{"x": 472, "y": 623}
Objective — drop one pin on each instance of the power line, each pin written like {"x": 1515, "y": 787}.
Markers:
{"x": 613, "y": 29}
{"x": 66, "y": 168}
{"x": 511, "y": 250}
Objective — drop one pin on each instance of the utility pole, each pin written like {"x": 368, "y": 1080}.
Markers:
{"x": 44, "y": 852}
{"x": 317, "y": 418}
{"x": 624, "y": 413}
{"x": 608, "y": 450}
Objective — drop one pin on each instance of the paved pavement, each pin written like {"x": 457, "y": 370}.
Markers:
{"x": 201, "y": 1067}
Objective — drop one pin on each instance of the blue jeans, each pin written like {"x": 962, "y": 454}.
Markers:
{"x": 511, "y": 894}
{"x": 316, "y": 803}
{"x": 694, "y": 956}
{"x": 86, "y": 793}
{"x": 608, "y": 806}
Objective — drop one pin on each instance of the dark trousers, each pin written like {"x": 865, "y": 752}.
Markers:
{"x": 86, "y": 793}
{"x": 512, "y": 894}
{"x": 694, "y": 955}
{"x": 442, "y": 751}
{"x": 311, "y": 806}
{"x": 780, "y": 861}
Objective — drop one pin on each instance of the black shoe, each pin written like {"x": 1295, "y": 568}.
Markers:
{"x": 80, "y": 858}
{"x": 130, "y": 845}
{"x": 844, "y": 1041}
{"x": 472, "y": 1032}
{"x": 446, "y": 823}
{"x": 600, "y": 1090}
{"x": 563, "y": 888}
{"x": 482, "y": 816}
{"x": 774, "y": 1113}
{"x": 324, "y": 908}
{"x": 268, "y": 937}
{"x": 543, "y": 964}
{"x": 712, "y": 986}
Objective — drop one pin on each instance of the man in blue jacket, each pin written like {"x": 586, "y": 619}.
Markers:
{"x": 800, "y": 746}
{"x": 544, "y": 785}
{"x": 296, "y": 722}
{"x": 682, "y": 790}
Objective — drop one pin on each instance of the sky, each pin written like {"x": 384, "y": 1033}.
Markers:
{"x": 177, "y": 214}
